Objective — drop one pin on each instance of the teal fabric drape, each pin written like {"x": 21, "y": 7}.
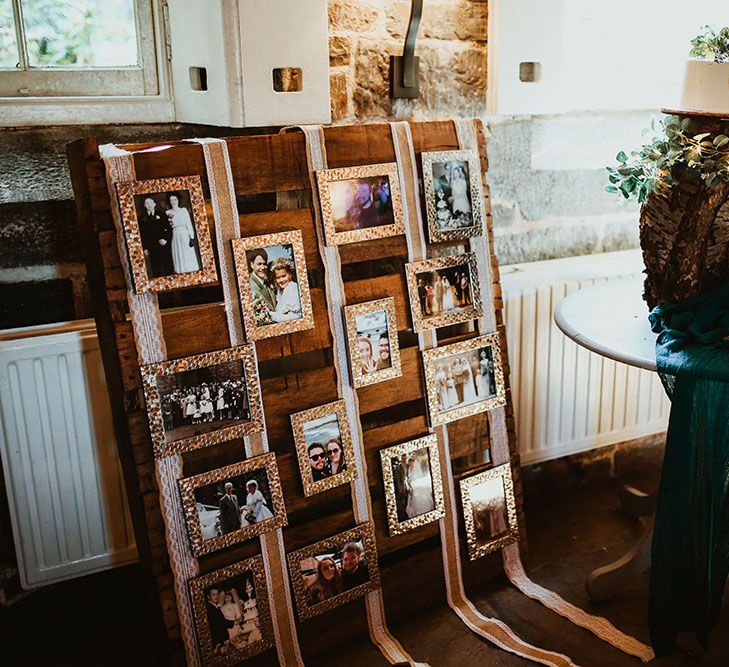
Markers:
{"x": 690, "y": 551}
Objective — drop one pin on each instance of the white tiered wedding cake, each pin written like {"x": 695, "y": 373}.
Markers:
{"x": 706, "y": 87}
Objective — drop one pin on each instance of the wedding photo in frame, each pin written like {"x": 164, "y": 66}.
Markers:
{"x": 273, "y": 284}
{"x": 232, "y": 504}
{"x": 453, "y": 195}
{"x": 334, "y": 571}
{"x": 324, "y": 447}
{"x": 489, "y": 511}
{"x": 360, "y": 203}
{"x": 413, "y": 484}
{"x": 202, "y": 400}
{"x": 166, "y": 233}
{"x": 463, "y": 379}
{"x": 374, "y": 350}
{"x": 443, "y": 291}
{"x": 231, "y": 614}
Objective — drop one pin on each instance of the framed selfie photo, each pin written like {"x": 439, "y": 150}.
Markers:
{"x": 489, "y": 511}
{"x": 413, "y": 484}
{"x": 360, "y": 203}
{"x": 232, "y": 504}
{"x": 443, "y": 291}
{"x": 202, "y": 400}
{"x": 334, "y": 571}
{"x": 453, "y": 195}
{"x": 273, "y": 284}
{"x": 231, "y": 614}
{"x": 374, "y": 351}
{"x": 463, "y": 379}
{"x": 324, "y": 447}
{"x": 166, "y": 232}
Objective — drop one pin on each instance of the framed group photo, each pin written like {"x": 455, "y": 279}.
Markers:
{"x": 273, "y": 284}
{"x": 166, "y": 233}
{"x": 463, "y": 379}
{"x": 443, "y": 291}
{"x": 360, "y": 203}
{"x": 202, "y": 400}
{"x": 453, "y": 195}
{"x": 413, "y": 484}
{"x": 324, "y": 447}
{"x": 374, "y": 350}
{"x": 232, "y": 504}
{"x": 334, "y": 571}
{"x": 231, "y": 613}
{"x": 489, "y": 511}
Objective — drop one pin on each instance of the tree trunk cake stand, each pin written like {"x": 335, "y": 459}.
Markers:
{"x": 612, "y": 321}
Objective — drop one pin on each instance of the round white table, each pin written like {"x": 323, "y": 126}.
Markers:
{"x": 611, "y": 319}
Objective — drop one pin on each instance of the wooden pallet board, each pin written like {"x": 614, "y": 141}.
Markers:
{"x": 296, "y": 370}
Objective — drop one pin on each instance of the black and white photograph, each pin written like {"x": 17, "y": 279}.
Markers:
{"x": 334, "y": 571}
{"x": 231, "y": 504}
{"x": 273, "y": 284}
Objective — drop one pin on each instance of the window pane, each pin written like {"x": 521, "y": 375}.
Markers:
{"x": 8, "y": 46}
{"x": 80, "y": 33}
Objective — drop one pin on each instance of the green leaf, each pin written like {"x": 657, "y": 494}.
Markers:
{"x": 611, "y": 189}
{"x": 721, "y": 140}
{"x": 621, "y": 157}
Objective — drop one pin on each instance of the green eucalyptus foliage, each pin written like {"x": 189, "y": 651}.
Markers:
{"x": 711, "y": 44}
{"x": 675, "y": 152}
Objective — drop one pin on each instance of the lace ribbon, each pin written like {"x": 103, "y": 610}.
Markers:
{"x": 145, "y": 315}
{"x": 599, "y": 626}
{"x": 227, "y": 228}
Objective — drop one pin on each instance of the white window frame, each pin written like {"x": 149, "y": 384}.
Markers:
{"x": 130, "y": 95}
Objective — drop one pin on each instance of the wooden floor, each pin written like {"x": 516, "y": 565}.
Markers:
{"x": 98, "y": 620}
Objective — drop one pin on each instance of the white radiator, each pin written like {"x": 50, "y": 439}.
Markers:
{"x": 567, "y": 399}
{"x": 67, "y": 500}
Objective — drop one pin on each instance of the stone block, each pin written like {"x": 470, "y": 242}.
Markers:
{"x": 555, "y": 239}
{"x": 340, "y": 51}
{"x": 339, "y": 96}
{"x": 352, "y": 16}
{"x": 454, "y": 20}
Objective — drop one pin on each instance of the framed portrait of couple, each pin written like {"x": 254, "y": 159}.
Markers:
{"x": 273, "y": 284}
{"x": 334, "y": 571}
{"x": 232, "y": 504}
{"x": 166, "y": 233}
{"x": 324, "y": 447}
{"x": 231, "y": 613}
{"x": 413, "y": 484}
{"x": 453, "y": 195}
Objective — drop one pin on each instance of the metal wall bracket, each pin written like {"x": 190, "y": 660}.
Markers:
{"x": 404, "y": 83}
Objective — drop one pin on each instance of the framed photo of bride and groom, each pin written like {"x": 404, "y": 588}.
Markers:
{"x": 232, "y": 504}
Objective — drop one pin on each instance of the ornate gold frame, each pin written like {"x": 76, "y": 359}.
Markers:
{"x": 142, "y": 282}
{"x": 298, "y": 420}
{"x": 188, "y": 485}
{"x": 477, "y": 207}
{"x": 423, "y": 322}
{"x": 387, "y": 304}
{"x": 363, "y": 532}
{"x": 240, "y": 246}
{"x": 244, "y": 353}
{"x": 429, "y": 442}
{"x": 197, "y": 588}
{"x": 474, "y": 549}
{"x": 431, "y": 356}
{"x": 323, "y": 178}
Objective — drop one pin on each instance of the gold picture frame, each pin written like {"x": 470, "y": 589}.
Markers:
{"x": 250, "y": 569}
{"x": 398, "y": 519}
{"x": 332, "y": 200}
{"x": 305, "y": 595}
{"x": 153, "y": 374}
{"x": 422, "y": 321}
{"x": 130, "y": 196}
{"x": 255, "y": 309}
{"x": 481, "y": 488}
{"x": 440, "y": 227}
{"x": 451, "y": 400}
{"x": 199, "y": 544}
{"x": 376, "y": 315}
{"x": 318, "y": 416}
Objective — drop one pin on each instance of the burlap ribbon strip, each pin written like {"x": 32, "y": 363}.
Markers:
{"x": 599, "y": 626}
{"x": 334, "y": 287}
